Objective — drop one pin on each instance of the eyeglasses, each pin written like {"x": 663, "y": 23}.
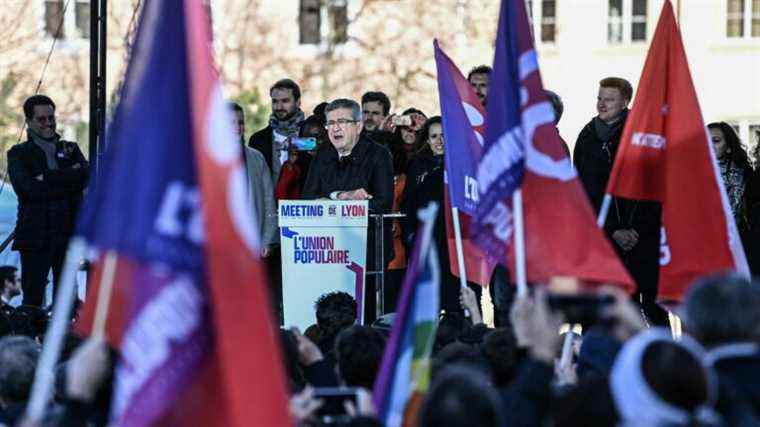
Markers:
{"x": 341, "y": 123}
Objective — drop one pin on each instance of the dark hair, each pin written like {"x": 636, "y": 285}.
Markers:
{"x": 319, "y": 110}
{"x": 7, "y": 272}
{"x": 18, "y": 361}
{"x": 411, "y": 110}
{"x": 316, "y": 122}
{"x": 234, "y": 106}
{"x": 335, "y": 311}
{"x": 500, "y": 351}
{"x": 287, "y": 84}
{"x": 557, "y": 104}
{"x": 459, "y": 353}
{"x": 461, "y": 397}
{"x": 378, "y": 97}
{"x": 450, "y": 326}
{"x": 422, "y": 148}
{"x": 290, "y": 360}
{"x": 480, "y": 69}
{"x": 359, "y": 352}
{"x": 620, "y": 84}
{"x": 685, "y": 386}
{"x": 344, "y": 103}
{"x": 34, "y": 101}
{"x": 721, "y": 309}
{"x": 736, "y": 151}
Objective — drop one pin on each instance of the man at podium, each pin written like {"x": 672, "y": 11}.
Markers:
{"x": 354, "y": 168}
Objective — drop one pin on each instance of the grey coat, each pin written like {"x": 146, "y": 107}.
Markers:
{"x": 261, "y": 193}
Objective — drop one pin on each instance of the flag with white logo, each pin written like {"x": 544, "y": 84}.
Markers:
{"x": 666, "y": 155}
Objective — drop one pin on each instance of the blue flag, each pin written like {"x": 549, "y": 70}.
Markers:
{"x": 461, "y": 111}
{"x": 502, "y": 165}
{"x": 171, "y": 216}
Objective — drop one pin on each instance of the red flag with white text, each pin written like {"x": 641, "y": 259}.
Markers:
{"x": 666, "y": 155}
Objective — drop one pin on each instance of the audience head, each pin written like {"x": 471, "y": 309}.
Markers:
{"x": 727, "y": 144}
{"x": 557, "y": 104}
{"x": 11, "y": 283}
{"x": 500, "y": 351}
{"x": 430, "y": 139}
{"x": 450, "y": 326}
{"x": 614, "y": 95}
{"x": 722, "y": 309}
{"x": 461, "y": 397}
{"x": 478, "y": 78}
{"x": 408, "y": 134}
{"x": 39, "y": 111}
{"x": 286, "y": 99}
{"x": 290, "y": 359}
{"x": 359, "y": 352}
{"x": 658, "y": 381}
{"x": 335, "y": 311}
{"x": 375, "y": 109}
{"x": 344, "y": 124}
{"x": 238, "y": 119}
{"x": 313, "y": 127}
{"x": 18, "y": 361}
{"x": 319, "y": 111}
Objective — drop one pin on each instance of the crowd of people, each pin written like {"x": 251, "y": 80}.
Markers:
{"x": 624, "y": 369}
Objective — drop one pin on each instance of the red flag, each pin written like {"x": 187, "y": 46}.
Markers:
{"x": 189, "y": 310}
{"x": 463, "y": 121}
{"x": 561, "y": 236}
{"x": 666, "y": 155}
{"x": 477, "y": 266}
{"x": 248, "y": 356}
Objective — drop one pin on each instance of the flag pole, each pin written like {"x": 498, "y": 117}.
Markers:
{"x": 460, "y": 251}
{"x": 605, "y": 209}
{"x": 51, "y": 349}
{"x": 517, "y": 206}
{"x": 104, "y": 295}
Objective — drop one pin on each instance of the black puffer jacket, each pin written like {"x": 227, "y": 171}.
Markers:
{"x": 47, "y": 208}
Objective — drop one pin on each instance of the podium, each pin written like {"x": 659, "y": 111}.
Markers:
{"x": 324, "y": 249}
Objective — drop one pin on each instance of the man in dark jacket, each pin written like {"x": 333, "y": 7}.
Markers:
{"x": 48, "y": 176}
{"x": 632, "y": 226}
{"x": 284, "y": 123}
{"x": 272, "y": 142}
{"x": 353, "y": 168}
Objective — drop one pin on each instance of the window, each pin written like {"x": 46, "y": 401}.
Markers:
{"x": 54, "y": 19}
{"x": 742, "y": 18}
{"x": 309, "y": 22}
{"x": 627, "y": 21}
{"x": 314, "y": 14}
{"x": 71, "y": 22}
{"x": 543, "y": 19}
{"x": 82, "y": 18}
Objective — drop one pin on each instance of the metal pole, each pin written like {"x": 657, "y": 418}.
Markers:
{"x": 379, "y": 265}
{"x": 94, "y": 41}
{"x": 102, "y": 40}
{"x": 98, "y": 56}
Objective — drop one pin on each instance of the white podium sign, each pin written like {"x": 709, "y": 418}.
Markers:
{"x": 324, "y": 249}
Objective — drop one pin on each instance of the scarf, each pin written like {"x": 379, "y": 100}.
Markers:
{"x": 605, "y": 131}
{"x": 287, "y": 127}
{"x": 47, "y": 145}
{"x": 640, "y": 406}
{"x": 734, "y": 180}
{"x": 281, "y": 130}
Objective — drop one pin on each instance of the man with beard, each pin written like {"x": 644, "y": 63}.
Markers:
{"x": 478, "y": 78}
{"x": 284, "y": 123}
{"x": 632, "y": 226}
{"x": 48, "y": 175}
